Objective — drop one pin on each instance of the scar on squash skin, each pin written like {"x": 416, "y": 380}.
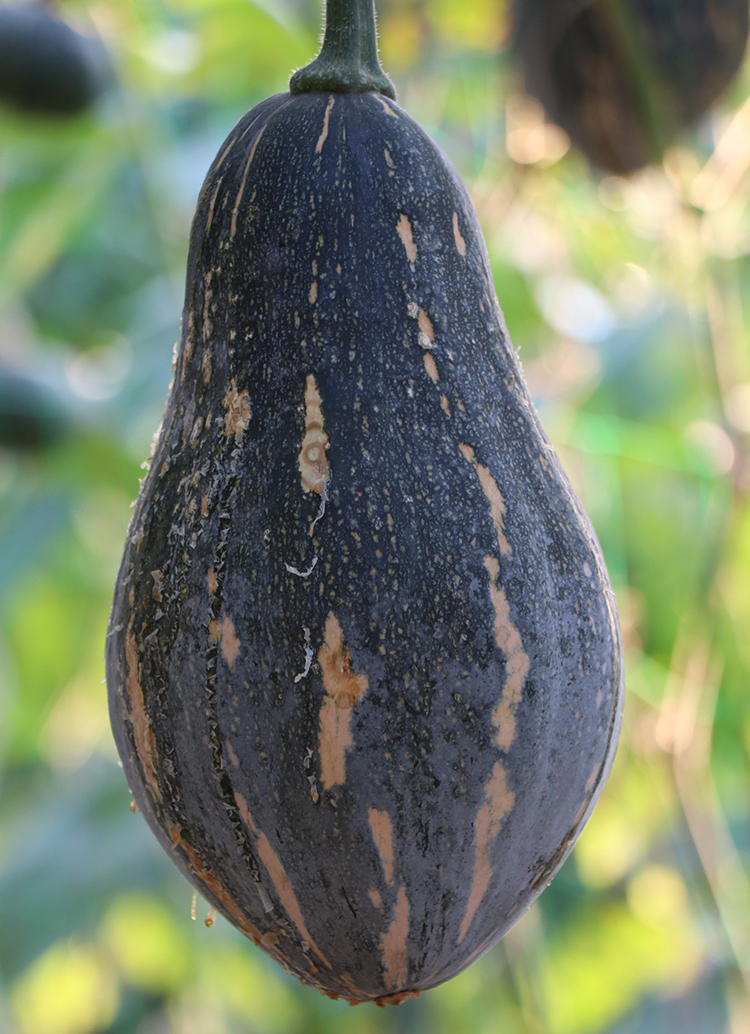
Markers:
{"x": 199, "y": 869}
{"x": 238, "y": 411}
{"x": 508, "y": 638}
{"x": 393, "y": 943}
{"x": 460, "y": 242}
{"x": 279, "y": 878}
{"x": 241, "y": 191}
{"x": 312, "y": 461}
{"x": 430, "y": 367}
{"x": 324, "y": 132}
{"x": 308, "y": 654}
{"x": 493, "y": 495}
{"x": 405, "y": 233}
{"x": 143, "y": 734}
{"x": 498, "y": 801}
{"x": 382, "y": 834}
{"x": 343, "y": 689}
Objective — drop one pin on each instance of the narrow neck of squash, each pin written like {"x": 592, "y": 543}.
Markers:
{"x": 348, "y": 60}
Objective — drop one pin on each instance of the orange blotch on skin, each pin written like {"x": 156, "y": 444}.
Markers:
{"x": 492, "y": 494}
{"x": 238, "y": 412}
{"x": 430, "y": 367}
{"x": 343, "y": 689}
{"x": 426, "y": 330}
{"x": 393, "y": 943}
{"x": 215, "y": 887}
{"x": 312, "y": 460}
{"x": 241, "y": 191}
{"x": 212, "y": 581}
{"x": 374, "y": 896}
{"x": 593, "y": 777}
{"x": 445, "y": 405}
{"x": 387, "y": 107}
{"x": 508, "y": 638}
{"x": 499, "y": 800}
{"x": 324, "y": 131}
{"x": 313, "y": 295}
{"x": 407, "y": 237}
{"x": 382, "y": 834}
{"x": 460, "y": 242}
{"x": 279, "y": 878}
{"x": 230, "y": 644}
{"x": 204, "y": 506}
{"x": 143, "y": 734}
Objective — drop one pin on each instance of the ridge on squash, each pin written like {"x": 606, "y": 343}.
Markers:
{"x": 380, "y": 682}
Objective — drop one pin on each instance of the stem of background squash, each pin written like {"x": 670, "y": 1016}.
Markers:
{"x": 348, "y": 60}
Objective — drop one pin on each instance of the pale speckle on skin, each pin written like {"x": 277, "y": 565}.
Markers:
{"x": 430, "y": 367}
{"x": 143, "y": 734}
{"x": 324, "y": 132}
{"x": 405, "y": 233}
{"x": 493, "y": 495}
{"x": 393, "y": 943}
{"x": 279, "y": 877}
{"x": 382, "y": 834}
{"x": 587, "y": 570}
{"x": 313, "y": 295}
{"x": 344, "y": 690}
{"x": 498, "y": 801}
{"x": 388, "y": 160}
{"x": 460, "y": 242}
{"x": 508, "y": 638}
{"x": 312, "y": 461}
{"x": 230, "y": 644}
{"x": 232, "y": 756}
{"x": 239, "y": 412}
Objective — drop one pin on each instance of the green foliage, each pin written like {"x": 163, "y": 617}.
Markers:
{"x": 628, "y": 300}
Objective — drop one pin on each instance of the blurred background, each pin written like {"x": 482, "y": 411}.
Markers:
{"x": 629, "y": 303}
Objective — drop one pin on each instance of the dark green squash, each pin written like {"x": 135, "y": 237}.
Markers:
{"x": 625, "y": 77}
{"x": 363, "y": 661}
{"x": 46, "y": 67}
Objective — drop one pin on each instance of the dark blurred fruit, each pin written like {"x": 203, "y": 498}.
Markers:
{"x": 30, "y": 414}
{"x": 45, "y": 65}
{"x": 624, "y": 77}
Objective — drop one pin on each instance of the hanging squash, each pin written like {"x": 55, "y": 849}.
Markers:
{"x": 46, "y": 66}
{"x": 624, "y": 77}
{"x": 363, "y": 661}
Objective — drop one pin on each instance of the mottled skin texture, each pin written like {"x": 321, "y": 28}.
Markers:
{"x": 373, "y": 763}
{"x": 624, "y": 77}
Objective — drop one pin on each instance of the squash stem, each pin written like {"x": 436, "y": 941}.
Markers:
{"x": 348, "y": 60}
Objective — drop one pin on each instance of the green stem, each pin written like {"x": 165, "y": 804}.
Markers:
{"x": 348, "y": 60}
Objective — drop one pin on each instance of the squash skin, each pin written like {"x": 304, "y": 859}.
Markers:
{"x": 379, "y": 820}
{"x": 624, "y": 100}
